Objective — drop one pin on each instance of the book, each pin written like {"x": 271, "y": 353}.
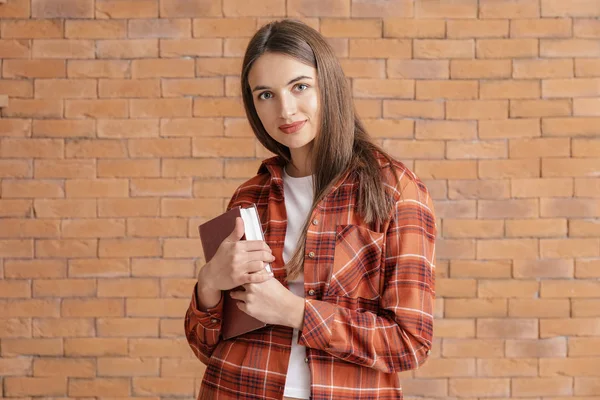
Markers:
{"x": 212, "y": 234}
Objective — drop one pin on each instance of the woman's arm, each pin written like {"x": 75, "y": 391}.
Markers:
{"x": 399, "y": 337}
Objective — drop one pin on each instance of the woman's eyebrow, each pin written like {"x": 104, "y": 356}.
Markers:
{"x": 260, "y": 87}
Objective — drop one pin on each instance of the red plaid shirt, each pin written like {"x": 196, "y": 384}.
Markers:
{"x": 369, "y": 297}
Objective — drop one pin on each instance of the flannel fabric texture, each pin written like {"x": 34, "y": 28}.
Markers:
{"x": 369, "y": 290}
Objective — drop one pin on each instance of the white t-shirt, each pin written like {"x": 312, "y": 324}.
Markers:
{"x": 298, "y": 195}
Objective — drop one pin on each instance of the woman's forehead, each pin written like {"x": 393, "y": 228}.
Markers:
{"x": 275, "y": 69}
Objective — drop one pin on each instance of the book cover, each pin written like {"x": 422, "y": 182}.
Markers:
{"x": 212, "y": 234}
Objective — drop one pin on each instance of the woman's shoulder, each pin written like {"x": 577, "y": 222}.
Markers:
{"x": 398, "y": 177}
{"x": 253, "y": 189}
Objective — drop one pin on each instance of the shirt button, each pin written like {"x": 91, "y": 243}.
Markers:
{"x": 214, "y": 320}
{"x": 306, "y": 360}
{"x": 315, "y": 221}
{"x": 311, "y": 254}
{"x": 311, "y": 292}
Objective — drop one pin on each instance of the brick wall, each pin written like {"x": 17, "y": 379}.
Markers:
{"x": 124, "y": 130}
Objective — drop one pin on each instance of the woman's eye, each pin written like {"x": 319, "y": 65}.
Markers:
{"x": 301, "y": 86}
{"x": 265, "y": 95}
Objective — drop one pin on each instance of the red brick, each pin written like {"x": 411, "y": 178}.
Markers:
{"x": 532, "y": 148}
{"x": 79, "y": 387}
{"x": 102, "y": 29}
{"x": 473, "y": 308}
{"x": 401, "y": 8}
{"x": 521, "y": 328}
{"x": 569, "y": 327}
{"x": 225, "y": 27}
{"x": 177, "y": 288}
{"x": 494, "y": 269}
{"x": 34, "y": 228}
{"x": 53, "y": 169}
{"x": 200, "y": 168}
{"x": 63, "y": 327}
{"x": 159, "y": 28}
{"x": 34, "y": 68}
{"x": 507, "y": 48}
{"x": 586, "y": 28}
{"x": 22, "y": 188}
{"x": 162, "y": 268}
{"x": 512, "y": 9}
{"x": 165, "y": 68}
{"x": 37, "y": 347}
{"x": 134, "y": 88}
{"x": 476, "y": 149}
{"x": 23, "y": 269}
{"x": 565, "y": 48}
{"x": 433, "y": 89}
{"x": 129, "y": 247}
{"x": 539, "y": 108}
{"x": 582, "y": 126}
{"x": 405, "y": 108}
{"x": 351, "y": 28}
{"x": 97, "y": 188}
{"x": 65, "y": 208}
{"x": 589, "y": 107}
{"x": 363, "y": 68}
{"x": 16, "y": 208}
{"x": 61, "y": 367}
{"x": 62, "y": 9}
{"x": 507, "y": 288}
{"x": 15, "y": 127}
{"x": 218, "y": 66}
{"x": 536, "y": 228}
{"x": 571, "y": 87}
{"x": 16, "y": 248}
{"x": 508, "y": 208}
{"x": 64, "y": 288}
{"x": 496, "y": 387}
{"x": 160, "y": 348}
{"x": 186, "y": 9}
{"x": 414, "y": 149}
{"x": 446, "y": 169}
{"x": 476, "y": 109}
{"x": 126, "y": 9}
{"x": 447, "y": 48}
{"x": 128, "y": 168}
{"x": 15, "y": 289}
{"x": 187, "y": 248}
{"x": 554, "y": 386}
{"x": 13, "y": 48}
{"x": 418, "y": 69}
{"x": 435, "y": 130}
{"x": 95, "y": 347}
{"x": 92, "y": 308}
{"x": 98, "y": 268}
{"x": 545, "y": 27}
{"x": 223, "y": 147}
{"x": 502, "y": 169}
{"x": 15, "y": 169}
{"x": 99, "y": 69}
{"x": 65, "y": 248}
{"x": 569, "y": 248}
{"x": 34, "y": 108}
{"x": 539, "y": 308}
{"x": 508, "y": 367}
{"x": 126, "y": 287}
{"x": 193, "y": 87}
{"x": 451, "y": 9}
{"x": 585, "y": 308}
{"x": 576, "y": 8}
{"x": 96, "y": 108}
{"x": 462, "y": 29}
{"x": 127, "y": 327}
{"x": 127, "y": 48}
{"x": 63, "y": 48}
{"x": 569, "y": 208}
{"x": 456, "y": 209}
{"x": 171, "y": 127}
{"x": 63, "y": 128}
{"x": 163, "y": 386}
{"x": 14, "y": 328}
{"x": 395, "y": 88}
{"x": 413, "y": 28}
{"x": 583, "y": 228}
{"x": 552, "y": 347}
{"x": 451, "y": 367}
{"x": 29, "y": 386}
{"x": 587, "y": 187}
{"x": 455, "y": 328}
{"x": 16, "y": 9}
{"x": 121, "y": 366}
{"x": 380, "y": 48}
{"x": 473, "y": 348}
{"x": 584, "y": 346}
{"x": 456, "y": 249}
{"x": 15, "y": 366}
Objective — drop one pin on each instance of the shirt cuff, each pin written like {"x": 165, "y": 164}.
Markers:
{"x": 209, "y": 318}
{"x": 319, "y": 318}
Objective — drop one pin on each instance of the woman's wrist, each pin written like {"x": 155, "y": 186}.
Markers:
{"x": 207, "y": 297}
{"x": 295, "y": 314}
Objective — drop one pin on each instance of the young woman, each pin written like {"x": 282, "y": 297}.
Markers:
{"x": 349, "y": 233}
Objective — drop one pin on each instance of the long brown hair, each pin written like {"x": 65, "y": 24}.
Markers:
{"x": 342, "y": 143}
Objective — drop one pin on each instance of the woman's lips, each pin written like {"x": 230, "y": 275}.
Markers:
{"x": 292, "y": 128}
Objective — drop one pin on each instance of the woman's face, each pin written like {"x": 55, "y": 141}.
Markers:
{"x": 286, "y": 99}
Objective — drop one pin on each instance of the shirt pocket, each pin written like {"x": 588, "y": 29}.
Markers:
{"x": 356, "y": 263}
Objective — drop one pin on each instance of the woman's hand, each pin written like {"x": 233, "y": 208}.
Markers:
{"x": 271, "y": 303}
{"x": 236, "y": 262}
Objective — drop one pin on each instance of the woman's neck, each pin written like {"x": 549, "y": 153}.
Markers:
{"x": 301, "y": 164}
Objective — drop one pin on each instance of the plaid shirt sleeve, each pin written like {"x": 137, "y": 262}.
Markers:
{"x": 203, "y": 327}
{"x": 398, "y": 337}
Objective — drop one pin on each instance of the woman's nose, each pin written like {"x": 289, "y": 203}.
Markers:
{"x": 288, "y": 105}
